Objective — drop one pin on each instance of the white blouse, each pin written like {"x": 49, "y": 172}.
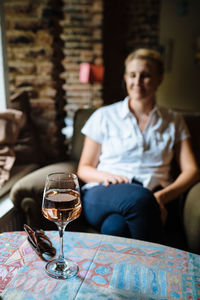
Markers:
{"x": 126, "y": 150}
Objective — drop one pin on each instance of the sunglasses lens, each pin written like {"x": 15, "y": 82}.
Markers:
{"x": 46, "y": 248}
{"x": 47, "y": 255}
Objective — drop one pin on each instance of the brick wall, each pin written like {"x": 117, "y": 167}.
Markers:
{"x": 48, "y": 39}
{"x": 34, "y": 60}
{"x": 82, "y": 37}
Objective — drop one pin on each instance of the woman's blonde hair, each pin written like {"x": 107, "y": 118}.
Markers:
{"x": 148, "y": 54}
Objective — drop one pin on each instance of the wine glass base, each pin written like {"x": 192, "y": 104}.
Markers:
{"x": 61, "y": 269}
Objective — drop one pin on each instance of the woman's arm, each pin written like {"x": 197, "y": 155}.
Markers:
{"x": 87, "y": 168}
{"x": 188, "y": 176}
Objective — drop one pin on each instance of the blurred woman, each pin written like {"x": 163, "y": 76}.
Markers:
{"x": 127, "y": 155}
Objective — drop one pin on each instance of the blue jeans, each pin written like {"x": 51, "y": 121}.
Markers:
{"x": 125, "y": 209}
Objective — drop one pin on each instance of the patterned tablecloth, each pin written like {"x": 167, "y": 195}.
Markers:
{"x": 110, "y": 268}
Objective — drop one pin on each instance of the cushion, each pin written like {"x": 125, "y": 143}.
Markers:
{"x": 27, "y": 147}
{"x": 17, "y": 172}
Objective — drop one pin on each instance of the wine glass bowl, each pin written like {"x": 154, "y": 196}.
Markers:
{"x": 61, "y": 204}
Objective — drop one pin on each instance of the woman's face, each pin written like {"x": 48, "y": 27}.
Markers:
{"x": 142, "y": 79}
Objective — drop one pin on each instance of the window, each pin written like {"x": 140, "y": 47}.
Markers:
{"x": 4, "y": 87}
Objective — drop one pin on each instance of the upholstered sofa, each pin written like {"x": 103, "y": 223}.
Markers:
{"x": 183, "y": 228}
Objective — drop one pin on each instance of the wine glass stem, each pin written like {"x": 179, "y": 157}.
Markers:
{"x": 61, "y": 229}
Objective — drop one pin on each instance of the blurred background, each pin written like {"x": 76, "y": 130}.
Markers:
{"x": 47, "y": 40}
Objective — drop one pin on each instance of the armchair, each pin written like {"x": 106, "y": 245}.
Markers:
{"x": 26, "y": 194}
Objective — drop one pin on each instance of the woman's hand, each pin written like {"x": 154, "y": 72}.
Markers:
{"x": 164, "y": 213}
{"x": 159, "y": 195}
{"x": 115, "y": 179}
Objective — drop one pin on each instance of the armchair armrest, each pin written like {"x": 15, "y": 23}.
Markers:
{"x": 26, "y": 194}
{"x": 191, "y": 218}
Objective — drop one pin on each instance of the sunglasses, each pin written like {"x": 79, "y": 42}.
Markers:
{"x": 40, "y": 243}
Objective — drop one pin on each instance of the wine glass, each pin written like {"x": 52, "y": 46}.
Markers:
{"x": 61, "y": 204}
